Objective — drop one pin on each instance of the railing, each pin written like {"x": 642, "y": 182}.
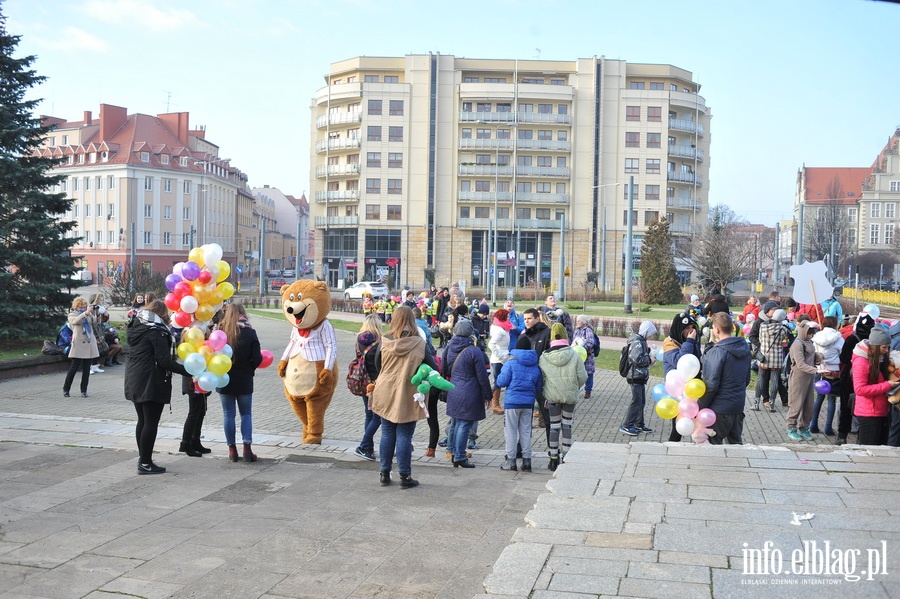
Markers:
{"x": 506, "y": 223}
{"x": 543, "y": 198}
{"x": 552, "y": 145}
{"x": 467, "y": 143}
{"x": 337, "y": 170}
{"x": 543, "y": 171}
{"x": 484, "y": 170}
{"x": 485, "y": 196}
{"x": 337, "y": 196}
{"x": 686, "y": 152}
{"x": 681, "y": 228}
{"x": 685, "y": 125}
{"x": 338, "y": 118}
{"x": 337, "y": 221}
{"x": 515, "y": 117}
{"x": 689, "y": 178}
{"x": 337, "y": 144}
{"x": 683, "y": 203}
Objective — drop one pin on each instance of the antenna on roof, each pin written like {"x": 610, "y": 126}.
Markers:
{"x": 168, "y": 99}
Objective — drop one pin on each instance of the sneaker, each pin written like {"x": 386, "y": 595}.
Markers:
{"x": 472, "y": 444}
{"x": 755, "y": 406}
{"x": 443, "y": 442}
{"x": 95, "y": 369}
{"x": 645, "y": 429}
{"x": 366, "y": 455}
{"x": 793, "y": 435}
{"x": 630, "y": 431}
{"x": 587, "y": 395}
{"x": 150, "y": 468}
{"x": 804, "y": 432}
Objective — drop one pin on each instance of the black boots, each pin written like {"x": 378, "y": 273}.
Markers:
{"x": 510, "y": 465}
{"x": 526, "y": 465}
{"x": 407, "y": 481}
{"x": 198, "y": 447}
{"x": 385, "y": 478}
{"x": 463, "y": 464}
{"x": 189, "y": 450}
{"x": 554, "y": 463}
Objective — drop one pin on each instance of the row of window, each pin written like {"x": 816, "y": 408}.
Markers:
{"x": 111, "y": 211}
{"x": 503, "y": 213}
{"x": 373, "y": 133}
{"x": 521, "y": 186}
{"x": 542, "y": 134}
{"x": 632, "y": 165}
{"x": 394, "y": 159}
{"x": 395, "y": 107}
{"x": 87, "y": 182}
{"x": 654, "y": 114}
{"x": 368, "y": 79}
{"x": 890, "y": 210}
{"x": 532, "y": 80}
{"x": 96, "y": 237}
{"x": 875, "y": 234}
{"x": 656, "y": 85}
{"x": 504, "y": 160}
{"x": 394, "y": 186}
{"x": 373, "y": 211}
{"x": 167, "y": 185}
{"x": 507, "y": 107}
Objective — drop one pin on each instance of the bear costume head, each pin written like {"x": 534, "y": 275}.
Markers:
{"x": 305, "y": 304}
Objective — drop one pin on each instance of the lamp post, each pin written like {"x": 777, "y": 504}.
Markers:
{"x": 603, "y": 249}
{"x": 629, "y": 245}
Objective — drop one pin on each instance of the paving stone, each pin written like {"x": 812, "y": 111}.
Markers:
{"x": 582, "y": 583}
{"x": 569, "y": 486}
{"x": 579, "y": 513}
{"x": 796, "y": 464}
{"x": 876, "y": 482}
{"x": 517, "y": 569}
{"x": 804, "y": 497}
{"x": 151, "y": 589}
{"x": 639, "y": 587}
{"x": 637, "y": 528}
{"x": 669, "y": 572}
{"x": 693, "y": 559}
{"x": 719, "y": 493}
{"x": 649, "y": 512}
{"x": 604, "y": 553}
{"x": 547, "y": 594}
{"x": 695, "y": 476}
{"x": 56, "y": 549}
{"x": 590, "y": 567}
{"x": 146, "y": 543}
{"x": 640, "y": 539}
{"x": 651, "y": 491}
{"x": 75, "y": 578}
{"x": 550, "y": 536}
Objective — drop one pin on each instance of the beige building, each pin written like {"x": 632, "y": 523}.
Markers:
{"x": 437, "y": 165}
{"x": 880, "y": 199}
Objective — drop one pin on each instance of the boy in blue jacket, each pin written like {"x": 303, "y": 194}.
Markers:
{"x": 522, "y": 378}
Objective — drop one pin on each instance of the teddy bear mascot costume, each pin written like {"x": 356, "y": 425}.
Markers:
{"x": 309, "y": 364}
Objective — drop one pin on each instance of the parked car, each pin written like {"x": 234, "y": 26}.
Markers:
{"x": 374, "y": 287}
{"x": 276, "y": 283}
{"x": 274, "y": 273}
{"x": 288, "y": 273}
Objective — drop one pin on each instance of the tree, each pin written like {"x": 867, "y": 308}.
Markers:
{"x": 825, "y": 228}
{"x": 35, "y": 255}
{"x": 659, "y": 283}
{"x": 873, "y": 265}
{"x": 718, "y": 253}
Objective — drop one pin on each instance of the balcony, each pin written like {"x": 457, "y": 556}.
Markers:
{"x": 515, "y": 117}
{"x": 688, "y": 178}
{"x": 544, "y": 171}
{"x": 685, "y": 125}
{"x": 486, "y": 170}
{"x": 542, "y": 198}
{"x": 506, "y": 223}
{"x": 688, "y": 100}
{"x": 467, "y": 143}
{"x": 337, "y": 144}
{"x": 550, "y": 145}
{"x": 337, "y": 170}
{"x": 681, "y": 228}
{"x": 484, "y": 197}
{"x": 339, "y": 118}
{"x": 686, "y": 152}
{"x": 337, "y": 221}
{"x": 350, "y": 195}
{"x": 683, "y": 203}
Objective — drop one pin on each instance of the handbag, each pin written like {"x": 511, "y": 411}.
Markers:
{"x": 103, "y": 346}
{"x": 435, "y": 330}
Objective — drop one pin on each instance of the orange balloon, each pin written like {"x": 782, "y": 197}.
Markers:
{"x": 207, "y": 352}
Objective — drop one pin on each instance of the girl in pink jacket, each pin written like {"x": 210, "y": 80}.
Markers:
{"x": 869, "y": 363}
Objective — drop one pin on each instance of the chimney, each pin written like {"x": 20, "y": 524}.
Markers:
{"x": 177, "y": 122}
{"x": 87, "y": 117}
{"x": 111, "y": 120}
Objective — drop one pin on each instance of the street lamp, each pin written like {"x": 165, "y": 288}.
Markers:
{"x": 603, "y": 249}
{"x": 629, "y": 242}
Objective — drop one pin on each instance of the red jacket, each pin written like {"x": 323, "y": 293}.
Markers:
{"x": 871, "y": 400}
{"x": 748, "y": 309}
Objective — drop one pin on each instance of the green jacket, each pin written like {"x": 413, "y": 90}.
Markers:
{"x": 563, "y": 373}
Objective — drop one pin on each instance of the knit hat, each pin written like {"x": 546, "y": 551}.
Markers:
{"x": 484, "y": 309}
{"x": 523, "y": 342}
{"x": 695, "y": 298}
{"x": 558, "y": 331}
{"x": 879, "y": 336}
{"x": 769, "y": 305}
{"x": 463, "y": 328}
{"x": 679, "y": 324}
{"x": 779, "y": 315}
{"x": 366, "y": 338}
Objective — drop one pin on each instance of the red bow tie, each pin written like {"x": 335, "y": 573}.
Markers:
{"x": 303, "y": 332}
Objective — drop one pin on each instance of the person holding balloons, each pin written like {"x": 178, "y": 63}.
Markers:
{"x": 726, "y": 374}
{"x": 193, "y": 424}
{"x": 683, "y": 340}
{"x": 148, "y": 377}
{"x": 246, "y": 358}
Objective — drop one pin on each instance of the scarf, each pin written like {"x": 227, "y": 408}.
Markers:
{"x": 153, "y": 320}
{"x": 504, "y": 324}
{"x": 87, "y": 327}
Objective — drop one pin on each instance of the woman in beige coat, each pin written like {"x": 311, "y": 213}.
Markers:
{"x": 401, "y": 353}
{"x": 84, "y": 344}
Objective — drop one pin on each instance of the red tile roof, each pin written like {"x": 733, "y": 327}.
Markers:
{"x": 819, "y": 182}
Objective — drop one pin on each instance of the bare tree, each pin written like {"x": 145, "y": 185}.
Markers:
{"x": 718, "y": 253}
{"x": 825, "y": 229}
{"x": 874, "y": 265}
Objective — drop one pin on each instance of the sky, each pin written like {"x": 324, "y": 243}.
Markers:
{"x": 811, "y": 82}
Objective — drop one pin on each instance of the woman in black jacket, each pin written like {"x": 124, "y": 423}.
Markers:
{"x": 239, "y": 390}
{"x": 148, "y": 376}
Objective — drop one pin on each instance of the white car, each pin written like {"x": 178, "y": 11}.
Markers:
{"x": 374, "y": 287}
{"x": 288, "y": 273}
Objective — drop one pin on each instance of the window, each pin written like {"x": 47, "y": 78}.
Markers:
{"x": 74, "y": 183}
{"x": 465, "y": 185}
{"x": 145, "y": 156}
{"x": 526, "y": 134}
{"x": 99, "y": 182}
{"x": 167, "y": 212}
{"x": 87, "y": 183}
{"x": 464, "y": 212}
{"x": 468, "y": 79}
{"x": 64, "y": 185}
{"x": 65, "y": 140}
{"x": 890, "y": 209}
{"x": 148, "y": 210}
{"x": 673, "y": 87}
{"x": 526, "y": 107}
{"x": 186, "y": 187}
{"x": 523, "y": 213}
{"x": 560, "y": 188}
{"x": 636, "y": 188}
{"x": 391, "y": 79}
{"x": 632, "y": 139}
{"x": 373, "y": 212}
{"x": 482, "y": 158}
{"x": 876, "y": 210}
{"x": 851, "y": 236}
{"x": 164, "y": 159}
{"x": 87, "y": 210}
{"x": 370, "y": 78}
{"x": 851, "y": 214}
{"x": 167, "y": 185}
{"x": 110, "y": 210}
{"x": 545, "y": 108}
{"x": 110, "y": 237}
{"x": 147, "y": 236}
{"x": 637, "y": 85}
{"x": 545, "y": 134}
{"x": 653, "y": 166}
{"x": 654, "y": 140}
{"x": 562, "y": 109}
{"x": 482, "y": 133}
{"x": 889, "y": 233}
{"x": 495, "y": 79}
{"x": 542, "y": 187}
{"x": 395, "y": 133}
{"x": 148, "y": 183}
{"x": 670, "y": 167}
{"x": 373, "y": 159}
{"x": 373, "y": 133}
{"x": 651, "y": 192}
{"x": 502, "y": 186}
{"x": 502, "y": 213}
{"x": 99, "y": 208}
{"x": 523, "y": 187}
{"x": 654, "y": 114}
{"x": 632, "y": 113}
{"x": 394, "y": 212}
{"x": 396, "y": 109}
{"x": 351, "y": 79}
{"x": 186, "y": 213}
{"x": 504, "y": 106}
{"x": 503, "y": 133}
{"x": 561, "y": 162}
{"x": 98, "y": 237}
{"x": 533, "y": 80}
{"x": 524, "y": 160}
{"x": 352, "y": 185}
{"x": 895, "y": 186}
{"x": 482, "y": 186}
{"x": 466, "y": 133}
{"x": 395, "y": 186}
{"x": 375, "y": 107}
{"x": 483, "y": 212}
{"x": 467, "y": 107}
{"x": 650, "y": 216}
{"x": 373, "y": 185}
{"x": 483, "y": 107}
{"x": 544, "y": 161}
{"x": 562, "y": 135}
{"x": 634, "y": 217}
{"x": 185, "y": 239}
{"x": 874, "y": 233}
{"x": 542, "y": 214}
{"x": 167, "y": 239}
{"x": 632, "y": 165}
{"x": 111, "y": 182}
{"x": 557, "y": 82}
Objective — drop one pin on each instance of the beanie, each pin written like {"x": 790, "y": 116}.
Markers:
{"x": 558, "y": 331}
{"x": 523, "y": 342}
{"x": 463, "y": 328}
{"x": 779, "y": 315}
{"x": 769, "y": 305}
{"x": 879, "y": 336}
{"x": 484, "y": 309}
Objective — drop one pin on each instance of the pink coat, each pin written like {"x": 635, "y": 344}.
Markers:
{"x": 871, "y": 400}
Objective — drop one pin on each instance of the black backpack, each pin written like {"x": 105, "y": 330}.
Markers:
{"x": 623, "y": 361}
{"x": 596, "y": 344}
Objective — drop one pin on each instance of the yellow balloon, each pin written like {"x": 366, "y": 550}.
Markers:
{"x": 194, "y": 336}
{"x": 196, "y": 256}
{"x": 219, "y": 364}
{"x": 204, "y": 312}
{"x": 207, "y": 353}
{"x": 695, "y": 388}
{"x": 202, "y": 293}
{"x": 582, "y": 353}
{"x": 667, "y": 408}
{"x": 227, "y": 290}
{"x": 216, "y": 298}
{"x": 184, "y": 350}
{"x": 224, "y": 270}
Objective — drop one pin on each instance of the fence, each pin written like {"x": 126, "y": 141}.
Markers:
{"x": 871, "y": 296}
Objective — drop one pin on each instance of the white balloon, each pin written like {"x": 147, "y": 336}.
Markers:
{"x": 189, "y": 304}
{"x": 212, "y": 253}
{"x": 688, "y": 367}
{"x": 213, "y": 271}
{"x": 684, "y": 426}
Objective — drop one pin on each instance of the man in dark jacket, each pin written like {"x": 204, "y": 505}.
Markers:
{"x": 539, "y": 335}
{"x": 726, "y": 373}
{"x": 717, "y": 303}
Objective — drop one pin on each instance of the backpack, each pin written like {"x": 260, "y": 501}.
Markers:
{"x": 64, "y": 338}
{"x": 596, "y": 344}
{"x": 357, "y": 375}
{"x": 623, "y": 361}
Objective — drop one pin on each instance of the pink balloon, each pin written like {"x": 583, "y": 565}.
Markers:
{"x": 218, "y": 339}
{"x": 267, "y": 358}
{"x": 674, "y": 384}
{"x": 688, "y": 408}
{"x": 706, "y": 417}
{"x": 747, "y": 328}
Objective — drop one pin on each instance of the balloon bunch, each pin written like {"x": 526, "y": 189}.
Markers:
{"x": 677, "y": 398}
{"x": 206, "y": 360}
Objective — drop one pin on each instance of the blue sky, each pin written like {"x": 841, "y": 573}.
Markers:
{"x": 812, "y": 82}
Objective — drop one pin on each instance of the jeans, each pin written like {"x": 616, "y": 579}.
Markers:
{"x": 496, "y": 367}
{"x": 397, "y": 437}
{"x": 589, "y": 383}
{"x": 148, "y": 413}
{"x": 460, "y": 438}
{"x": 767, "y": 384}
{"x": 373, "y": 422}
{"x": 517, "y": 430}
{"x": 829, "y": 414}
{"x": 244, "y": 404}
{"x": 635, "y": 416}
{"x": 894, "y": 433}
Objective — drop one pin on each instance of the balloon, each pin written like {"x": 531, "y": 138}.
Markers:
{"x": 701, "y": 320}
{"x": 695, "y": 388}
{"x": 204, "y": 312}
{"x": 688, "y": 408}
{"x": 189, "y": 304}
{"x": 213, "y": 273}
{"x": 218, "y": 339}
{"x": 207, "y": 353}
{"x": 182, "y": 319}
{"x": 184, "y": 350}
{"x": 227, "y": 290}
{"x": 227, "y": 351}
{"x": 659, "y": 354}
{"x": 177, "y": 268}
{"x": 216, "y": 299}
{"x": 267, "y": 359}
{"x": 171, "y": 281}
{"x": 190, "y": 271}
{"x": 203, "y": 293}
{"x": 658, "y": 392}
{"x": 182, "y": 289}
{"x": 224, "y": 270}
{"x": 747, "y": 328}
{"x": 172, "y": 302}
{"x": 688, "y": 366}
{"x": 674, "y": 383}
{"x": 582, "y": 353}
{"x": 196, "y": 256}
{"x": 667, "y": 408}
{"x": 194, "y": 337}
{"x": 823, "y": 387}
{"x": 219, "y": 364}
{"x": 873, "y": 310}
{"x": 204, "y": 277}
{"x": 706, "y": 418}
{"x": 207, "y": 381}
{"x": 790, "y": 316}
{"x": 195, "y": 364}
{"x": 212, "y": 253}
{"x": 684, "y": 426}
{"x": 224, "y": 379}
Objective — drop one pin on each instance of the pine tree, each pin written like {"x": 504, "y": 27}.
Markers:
{"x": 659, "y": 283}
{"x": 35, "y": 256}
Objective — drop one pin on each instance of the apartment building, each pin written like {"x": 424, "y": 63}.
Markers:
{"x": 473, "y": 170}
{"x": 287, "y": 220}
{"x": 879, "y": 200}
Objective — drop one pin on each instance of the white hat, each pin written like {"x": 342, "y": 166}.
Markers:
{"x": 695, "y": 298}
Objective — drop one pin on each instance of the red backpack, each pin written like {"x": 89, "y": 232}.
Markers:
{"x": 357, "y": 376}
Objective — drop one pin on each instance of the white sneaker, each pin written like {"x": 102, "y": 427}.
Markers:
{"x": 95, "y": 369}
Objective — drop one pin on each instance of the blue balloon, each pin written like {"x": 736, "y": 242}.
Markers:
{"x": 658, "y": 392}
{"x": 195, "y": 364}
{"x": 207, "y": 381}
{"x": 224, "y": 379}
{"x": 659, "y": 355}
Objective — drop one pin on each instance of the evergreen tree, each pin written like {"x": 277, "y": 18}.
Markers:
{"x": 35, "y": 256}
{"x": 659, "y": 283}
